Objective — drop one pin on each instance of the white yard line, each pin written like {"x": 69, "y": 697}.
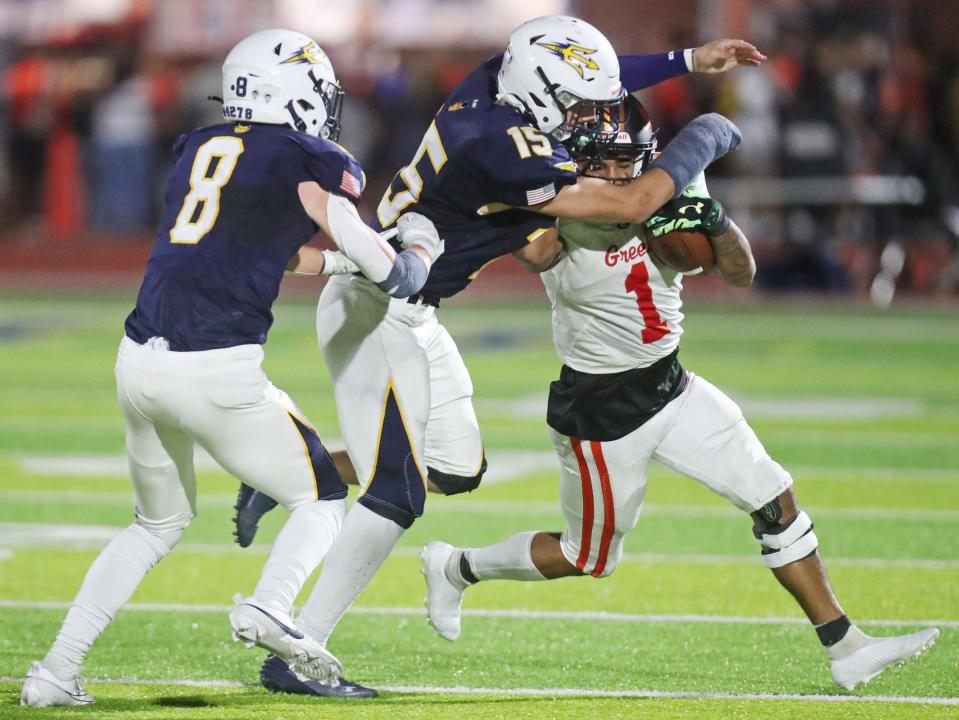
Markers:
{"x": 559, "y": 692}
{"x": 512, "y": 614}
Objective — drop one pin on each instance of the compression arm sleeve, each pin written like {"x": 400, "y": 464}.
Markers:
{"x": 407, "y": 277}
{"x": 705, "y": 139}
{"x": 357, "y": 241}
{"x": 642, "y": 71}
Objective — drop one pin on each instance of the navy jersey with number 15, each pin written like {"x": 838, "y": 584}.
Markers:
{"x": 232, "y": 220}
{"x": 477, "y": 158}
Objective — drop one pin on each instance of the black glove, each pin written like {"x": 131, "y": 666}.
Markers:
{"x": 689, "y": 212}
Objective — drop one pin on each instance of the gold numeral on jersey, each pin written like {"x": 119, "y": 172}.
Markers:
{"x": 391, "y": 206}
{"x": 530, "y": 141}
{"x": 212, "y": 168}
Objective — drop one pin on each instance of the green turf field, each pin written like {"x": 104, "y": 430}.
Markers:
{"x": 862, "y": 408}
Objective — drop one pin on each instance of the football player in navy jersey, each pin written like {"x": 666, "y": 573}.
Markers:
{"x": 242, "y": 199}
{"x": 492, "y": 172}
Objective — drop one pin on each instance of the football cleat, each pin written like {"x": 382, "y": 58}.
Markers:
{"x": 872, "y": 655}
{"x": 444, "y": 599}
{"x": 42, "y": 688}
{"x": 276, "y": 676}
{"x": 251, "y": 505}
{"x": 273, "y": 630}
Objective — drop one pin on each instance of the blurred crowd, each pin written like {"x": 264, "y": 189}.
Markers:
{"x": 852, "y": 89}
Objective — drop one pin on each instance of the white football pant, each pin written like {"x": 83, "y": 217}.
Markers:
{"x": 403, "y": 394}
{"x": 701, "y": 434}
{"x": 223, "y": 401}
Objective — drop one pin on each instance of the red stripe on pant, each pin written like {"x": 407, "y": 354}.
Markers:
{"x": 609, "y": 510}
{"x": 587, "y": 531}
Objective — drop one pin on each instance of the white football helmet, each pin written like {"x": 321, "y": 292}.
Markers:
{"x": 283, "y": 78}
{"x": 563, "y": 75}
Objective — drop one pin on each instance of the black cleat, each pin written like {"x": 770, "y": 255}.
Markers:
{"x": 251, "y": 505}
{"x": 276, "y": 676}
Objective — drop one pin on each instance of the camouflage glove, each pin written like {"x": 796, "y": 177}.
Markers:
{"x": 689, "y": 212}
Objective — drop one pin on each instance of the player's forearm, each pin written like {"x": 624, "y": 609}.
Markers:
{"x": 600, "y": 201}
{"x": 307, "y": 261}
{"x": 734, "y": 257}
{"x": 641, "y": 71}
{"x": 542, "y": 253}
{"x": 704, "y": 140}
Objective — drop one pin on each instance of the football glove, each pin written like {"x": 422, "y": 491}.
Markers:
{"x": 699, "y": 214}
{"x": 415, "y": 229}
{"x": 336, "y": 263}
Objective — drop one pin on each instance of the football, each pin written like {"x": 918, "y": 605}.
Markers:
{"x": 685, "y": 251}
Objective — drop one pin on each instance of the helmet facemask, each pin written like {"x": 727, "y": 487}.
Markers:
{"x": 331, "y": 96}
{"x": 585, "y": 122}
{"x": 635, "y": 141}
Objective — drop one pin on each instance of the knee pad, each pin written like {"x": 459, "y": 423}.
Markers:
{"x": 456, "y": 484}
{"x": 163, "y": 535}
{"x": 398, "y": 496}
{"x": 785, "y": 543}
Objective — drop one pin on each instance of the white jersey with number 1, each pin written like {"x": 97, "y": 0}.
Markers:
{"x": 614, "y": 309}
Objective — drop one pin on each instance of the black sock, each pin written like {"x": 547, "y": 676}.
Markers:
{"x": 466, "y": 571}
{"x": 833, "y": 631}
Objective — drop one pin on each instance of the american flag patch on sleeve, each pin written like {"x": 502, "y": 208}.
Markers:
{"x": 350, "y": 184}
{"x": 540, "y": 195}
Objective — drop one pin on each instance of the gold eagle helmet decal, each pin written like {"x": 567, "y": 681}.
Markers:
{"x": 309, "y": 54}
{"x": 576, "y": 56}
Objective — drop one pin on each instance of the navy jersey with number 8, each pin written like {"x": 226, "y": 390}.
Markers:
{"x": 232, "y": 219}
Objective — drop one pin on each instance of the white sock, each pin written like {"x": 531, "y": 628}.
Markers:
{"x": 509, "y": 560}
{"x": 853, "y": 640}
{"x": 110, "y": 581}
{"x": 297, "y": 551}
{"x": 364, "y": 543}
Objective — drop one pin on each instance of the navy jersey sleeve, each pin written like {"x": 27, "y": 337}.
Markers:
{"x": 179, "y": 145}
{"x": 332, "y": 167}
{"x": 521, "y": 166}
{"x": 643, "y": 71}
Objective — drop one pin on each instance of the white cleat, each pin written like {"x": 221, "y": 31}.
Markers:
{"x": 41, "y": 688}
{"x": 872, "y": 655}
{"x": 273, "y": 630}
{"x": 444, "y": 598}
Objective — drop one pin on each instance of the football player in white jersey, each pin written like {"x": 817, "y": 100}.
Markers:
{"x": 623, "y": 398}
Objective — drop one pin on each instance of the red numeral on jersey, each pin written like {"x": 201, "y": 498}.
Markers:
{"x": 638, "y": 282}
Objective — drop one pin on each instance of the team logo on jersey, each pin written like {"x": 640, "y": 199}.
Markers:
{"x": 576, "y": 56}
{"x": 626, "y": 254}
{"x": 309, "y": 54}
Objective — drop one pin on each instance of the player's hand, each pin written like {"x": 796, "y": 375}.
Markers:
{"x": 720, "y": 56}
{"x": 413, "y": 229}
{"x": 689, "y": 212}
{"x": 336, "y": 263}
